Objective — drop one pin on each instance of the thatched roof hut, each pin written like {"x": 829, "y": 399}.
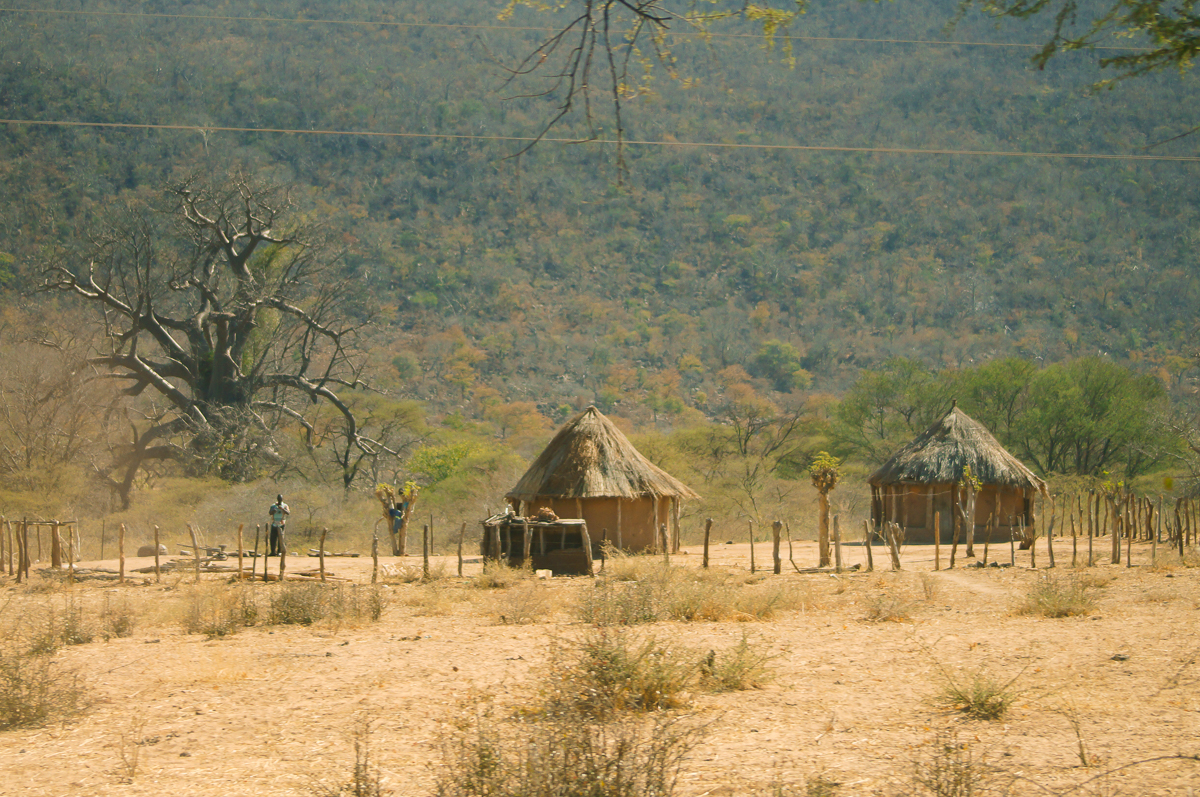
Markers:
{"x": 922, "y": 480}
{"x": 590, "y": 470}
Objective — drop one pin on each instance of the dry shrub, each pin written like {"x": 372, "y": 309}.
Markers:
{"x": 499, "y": 575}
{"x": 930, "y": 587}
{"x": 34, "y": 690}
{"x": 117, "y": 618}
{"x": 611, "y": 671}
{"x": 218, "y": 610}
{"x": 1054, "y": 596}
{"x": 432, "y": 599}
{"x": 307, "y": 603}
{"x": 979, "y": 696}
{"x": 663, "y": 592}
{"x": 54, "y": 628}
{"x": 412, "y": 573}
{"x": 745, "y": 666}
{"x": 888, "y": 606}
{"x": 951, "y": 771}
{"x": 364, "y": 780}
{"x": 1169, "y": 559}
{"x": 565, "y": 756}
{"x": 527, "y": 602}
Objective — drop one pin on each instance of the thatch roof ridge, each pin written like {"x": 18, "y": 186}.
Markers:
{"x": 591, "y": 458}
{"x": 939, "y": 454}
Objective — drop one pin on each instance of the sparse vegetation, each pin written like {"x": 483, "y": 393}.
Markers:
{"x": 566, "y": 755}
{"x": 888, "y": 605}
{"x": 953, "y": 770}
{"x": 636, "y": 593}
{"x": 980, "y": 696}
{"x": 34, "y": 689}
{"x": 1057, "y": 596}
{"x": 498, "y": 575}
{"x": 744, "y": 666}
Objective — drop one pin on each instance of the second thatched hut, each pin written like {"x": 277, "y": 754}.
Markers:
{"x": 923, "y": 480}
{"x": 590, "y": 470}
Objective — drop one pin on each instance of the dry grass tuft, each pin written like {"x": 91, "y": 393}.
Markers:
{"x": 888, "y": 606}
{"x": 34, "y": 690}
{"x": 499, "y": 575}
{"x": 1055, "y": 596}
{"x": 981, "y": 696}
{"x": 526, "y": 602}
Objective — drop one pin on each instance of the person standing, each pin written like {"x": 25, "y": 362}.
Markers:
{"x": 278, "y": 512}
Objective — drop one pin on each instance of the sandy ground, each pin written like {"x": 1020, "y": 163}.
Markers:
{"x": 271, "y": 710}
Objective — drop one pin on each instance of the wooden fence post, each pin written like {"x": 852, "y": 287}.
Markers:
{"x": 157, "y": 564}
{"x": 121, "y": 552}
{"x": 867, "y": 542}
{"x": 462, "y": 533}
{"x": 425, "y": 549}
{"x": 893, "y": 530}
{"x": 374, "y": 556}
{"x": 937, "y": 541}
{"x": 71, "y": 553}
{"x": 665, "y": 542}
{"x": 707, "y": 533}
{"x": 750, "y": 524}
{"x": 282, "y": 558}
{"x": 587, "y": 548}
{"x": 195, "y": 549}
{"x": 837, "y": 544}
{"x": 776, "y": 533}
{"x": 321, "y": 553}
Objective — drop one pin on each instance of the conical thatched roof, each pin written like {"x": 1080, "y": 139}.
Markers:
{"x": 590, "y": 458}
{"x": 939, "y": 454}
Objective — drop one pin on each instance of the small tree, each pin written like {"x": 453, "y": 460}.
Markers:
{"x": 825, "y": 471}
{"x": 968, "y": 490}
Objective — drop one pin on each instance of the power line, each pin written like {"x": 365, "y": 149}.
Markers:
{"x": 630, "y": 143}
{"x": 519, "y": 28}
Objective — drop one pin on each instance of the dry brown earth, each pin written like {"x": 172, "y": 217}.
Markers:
{"x": 270, "y": 710}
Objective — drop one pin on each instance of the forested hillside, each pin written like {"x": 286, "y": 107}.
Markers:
{"x": 514, "y": 291}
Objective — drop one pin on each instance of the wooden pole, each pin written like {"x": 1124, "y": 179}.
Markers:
{"x": 320, "y": 553}
{"x": 707, "y": 534}
{"x": 1157, "y": 533}
{"x": 867, "y": 545}
{"x": 937, "y": 541}
{"x": 37, "y": 532}
{"x": 71, "y": 553}
{"x": 666, "y": 547}
{"x": 158, "y": 565}
{"x": 1116, "y": 531}
{"x": 18, "y": 539}
{"x": 1129, "y": 546}
{"x": 776, "y": 533}
{"x": 3, "y": 542}
{"x": 750, "y": 523}
{"x": 787, "y": 527}
{"x": 674, "y": 525}
{"x": 1074, "y": 543}
{"x": 1050, "y": 531}
{"x": 894, "y": 544}
{"x": 527, "y": 548}
{"x": 425, "y": 549}
{"x": 954, "y": 539}
{"x": 620, "y": 543}
{"x": 103, "y": 534}
{"x": 987, "y": 541}
{"x": 587, "y": 548}
{"x": 121, "y": 552}
{"x": 837, "y": 545}
{"x": 374, "y": 557}
{"x": 195, "y": 549}
{"x": 55, "y": 546}
{"x": 656, "y": 521}
{"x": 463, "y": 533}
{"x": 1012, "y": 548}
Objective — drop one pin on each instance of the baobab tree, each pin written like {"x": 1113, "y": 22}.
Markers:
{"x": 223, "y": 314}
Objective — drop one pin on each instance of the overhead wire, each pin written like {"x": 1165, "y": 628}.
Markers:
{"x": 628, "y": 143}
{"x": 520, "y": 28}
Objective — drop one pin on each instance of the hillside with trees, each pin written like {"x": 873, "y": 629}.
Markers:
{"x": 736, "y": 279}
